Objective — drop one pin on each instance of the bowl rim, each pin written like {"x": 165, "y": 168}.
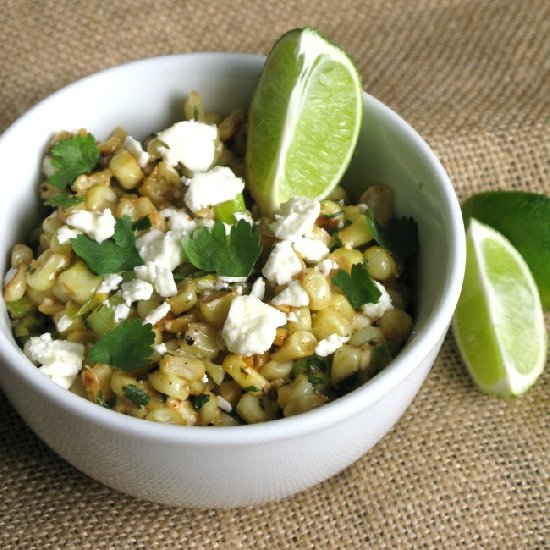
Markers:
{"x": 309, "y": 422}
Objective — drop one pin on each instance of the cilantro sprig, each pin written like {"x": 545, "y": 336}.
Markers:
{"x": 359, "y": 287}
{"x": 128, "y": 347}
{"x": 400, "y": 236}
{"x": 119, "y": 253}
{"x": 64, "y": 200}
{"x": 233, "y": 256}
{"x": 71, "y": 157}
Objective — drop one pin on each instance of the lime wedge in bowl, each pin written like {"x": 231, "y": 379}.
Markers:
{"x": 499, "y": 323}
{"x": 304, "y": 120}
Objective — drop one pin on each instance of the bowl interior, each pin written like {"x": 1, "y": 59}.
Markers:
{"x": 147, "y": 96}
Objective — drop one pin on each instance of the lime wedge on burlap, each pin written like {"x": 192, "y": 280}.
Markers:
{"x": 303, "y": 121}
{"x": 524, "y": 219}
{"x": 499, "y": 323}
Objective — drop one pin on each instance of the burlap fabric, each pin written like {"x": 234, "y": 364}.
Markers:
{"x": 460, "y": 469}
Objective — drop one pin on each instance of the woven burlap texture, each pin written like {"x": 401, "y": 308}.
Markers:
{"x": 460, "y": 469}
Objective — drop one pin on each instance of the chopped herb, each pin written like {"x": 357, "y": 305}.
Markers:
{"x": 113, "y": 255}
{"x": 381, "y": 357}
{"x": 136, "y": 394}
{"x": 359, "y": 288}
{"x": 198, "y": 401}
{"x": 101, "y": 401}
{"x": 315, "y": 380}
{"x": 333, "y": 215}
{"x": 127, "y": 347}
{"x": 65, "y": 200}
{"x": 142, "y": 224}
{"x": 251, "y": 389}
{"x": 71, "y": 157}
{"x": 400, "y": 236}
{"x": 190, "y": 341}
{"x": 211, "y": 250}
{"x": 261, "y": 404}
{"x": 196, "y": 113}
{"x": 20, "y": 308}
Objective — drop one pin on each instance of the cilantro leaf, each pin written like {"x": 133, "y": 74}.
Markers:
{"x": 71, "y": 157}
{"x": 127, "y": 347}
{"x": 381, "y": 357}
{"x": 251, "y": 389}
{"x": 359, "y": 288}
{"x": 101, "y": 401}
{"x": 198, "y": 401}
{"x": 119, "y": 253}
{"x": 212, "y": 250}
{"x": 136, "y": 394}
{"x": 142, "y": 223}
{"x": 65, "y": 200}
{"x": 400, "y": 236}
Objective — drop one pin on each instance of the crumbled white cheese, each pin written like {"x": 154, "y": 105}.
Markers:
{"x": 154, "y": 316}
{"x": 10, "y": 274}
{"x": 213, "y": 187}
{"x": 133, "y": 146}
{"x": 110, "y": 282}
{"x": 326, "y": 266}
{"x": 291, "y": 317}
{"x": 330, "y": 345}
{"x": 65, "y": 234}
{"x": 135, "y": 290}
{"x": 61, "y": 360}
{"x": 258, "y": 288}
{"x": 161, "y": 349}
{"x": 296, "y": 217}
{"x": 293, "y": 295}
{"x": 283, "y": 264}
{"x": 376, "y": 311}
{"x": 204, "y": 378}
{"x": 161, "y": 278}
{"x": 97, "y": 225}
{"x": 63, "y": 323}
{"x": 180, "y": 222}
{"x": 163, "y": 249}
{"x": 47, "y": 166}
{"x": 223, "y": 404}
{"x": 251, "y": 325}
{"x": 190, "y": 142}
{"x": 311, "y": 250}
{"x": 121, "y": 312}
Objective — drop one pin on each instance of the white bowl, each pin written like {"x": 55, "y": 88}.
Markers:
{"x": 234, "y": 466}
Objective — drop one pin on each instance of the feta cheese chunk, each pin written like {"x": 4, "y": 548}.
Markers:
{"x": 133, "y": 146}
{"x": 60, "y": 361}
{"x": 160, "y": 312}
{"x": 282, "y": 265}
{"x": 135, "y": 290}
{"x": 311, "y": 250}
{"x": 162, "y": 249}
{"x": 251, "y": 325}
{"x": 121, "y": 312}
{"x": 258, "y": 288}
{"x": 63, "y": 323}
{"x": 293, "y": 295}
{"x": 65, "y": 234}
{"x": 190, "y": 142}
{"x": 244, "y": 216}
{"x": 291, "y": 317}
{"x": 160, "y": 277}
{"x": 329, "y": 345}
{"x": 214, "y": 187}
{"x": 296, "y": 217}
{"x": 161, "y": 349}
{"x": 110, "y": 282}
{"x": 223, "y": 404}
{"x": 327, "y": 266}
{"x": 179, "y": 222}
{"x": 376, "y": 311}
{"x": 98, "y": 226}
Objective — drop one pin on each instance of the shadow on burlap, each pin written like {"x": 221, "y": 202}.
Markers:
{"x": 460, "y": 469}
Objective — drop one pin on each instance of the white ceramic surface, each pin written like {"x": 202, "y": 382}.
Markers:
{"x": 221, "y": 467}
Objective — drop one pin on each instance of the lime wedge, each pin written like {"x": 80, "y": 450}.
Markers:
{"x": 499, "y": 322}
{"x": 524, "y": 219}
{"x": 304, "y": 120}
